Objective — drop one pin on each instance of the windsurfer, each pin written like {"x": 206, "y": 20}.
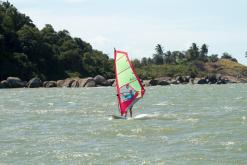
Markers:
{"x": 127, "y": 94}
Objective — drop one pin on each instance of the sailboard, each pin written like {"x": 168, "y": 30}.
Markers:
{"x": 128, "y": 85}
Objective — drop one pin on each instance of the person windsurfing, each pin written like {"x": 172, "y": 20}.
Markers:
{"x": 128, "y": 85}
{"x": 127, "y": 93}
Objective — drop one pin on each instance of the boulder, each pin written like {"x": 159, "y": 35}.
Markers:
{"x": 211, "y": 79}
{"x": 191, "y": 80}
{"x": 85, "y": 82}
{"x": 15, "y": 82}
{"x": 153, "y": 82}
{"x": 221, "y": 82}
{"x": 174, "y": 82}
{"x": 45, "y": 83}
{"x": 34, "y": 83}
{"x": 65, "y": 83}
{"x": 230, "y": 79}
{"x": 4, "y": 84}
{"x": 195, "y": 80}
{"x": 146, "y": 83}
{"x": 163, "y": 82}
{"x": 111, "y": 81}
{"x": 202, "y": 81}
{"x": 68, "y": 82}
{"x": 90, "y": 83}
{"x": 179, "y": 79}
{"x": 60, "y": 83}
{"x": 101, "y": 81}
{"x": 51, "y": 84}
{"x": 75, "y": 84}
{"x": 186, "y": 79}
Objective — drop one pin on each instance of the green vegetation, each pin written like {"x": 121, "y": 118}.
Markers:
{"x": 193, "y": 62}
{"x": 26, "y": 51}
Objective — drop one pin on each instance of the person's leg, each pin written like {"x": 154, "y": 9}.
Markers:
{"x": 131, "y": 112}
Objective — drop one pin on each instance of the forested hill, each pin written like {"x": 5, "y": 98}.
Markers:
{"x": 26, "y": 51}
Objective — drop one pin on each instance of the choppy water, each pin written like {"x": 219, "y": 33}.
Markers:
{"x": 186, "y": 125}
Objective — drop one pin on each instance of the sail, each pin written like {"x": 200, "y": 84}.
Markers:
{"x": 129, "y": 86}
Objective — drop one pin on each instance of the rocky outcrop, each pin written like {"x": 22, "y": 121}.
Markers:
{"x": 77, "y": 82}
{"x": 163, "y": 82}
{"x": 146, "y": 83}
{"x": 153, "y": 82}
{"x": 65, "y": 83}
{"x": 15, "y": 82}
{"x": 202, "y": 81}
{"x": 111, "y": 82}
{"x": 4, "y": 84}
{"x": 50, "y": 84}
{"x": 101, "y": 81}
{"x": 34, "y": 83}
{"x": 90, "y": 83}
{"x": 86, "y": 82}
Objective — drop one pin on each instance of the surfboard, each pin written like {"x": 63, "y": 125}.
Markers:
{"x": 119, "y": 117}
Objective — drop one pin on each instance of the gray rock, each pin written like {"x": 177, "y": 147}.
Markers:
{"x": 34, "y": 83}
{"x": 68, "y": 82}
{"x": 101, "y": 81}
{"x": 60, "y": 83}
{"x": 163, "y": 82}
{"x": 211, "y": 79}
{"x": 186, "y": 79}
{"x": 45, "y": 83}
{"x": 75, "y": 84}
{"x": 153, "y": 82}
{"x": 90, "y": 83}
{"x": 146, "y": 83}
{"x": 179, "y": 79}
{"x": 202, "y": 81}
{"x": 65, "y": 83}
{"x": 174, "y": 82}
{"x": 15, "y": 82}
{"x": 111, "y": 81}
{"x": 86, "y": 82}
{"x": 4, "y": 84}
{"x": 51, "y": 84}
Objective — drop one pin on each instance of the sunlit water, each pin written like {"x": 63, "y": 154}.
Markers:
{"x": 186, "y": 124}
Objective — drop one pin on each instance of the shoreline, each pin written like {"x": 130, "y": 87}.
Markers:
{"x": 98, "y": 81}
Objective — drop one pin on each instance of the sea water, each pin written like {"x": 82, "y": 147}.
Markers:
{"x": 183, "y": 124}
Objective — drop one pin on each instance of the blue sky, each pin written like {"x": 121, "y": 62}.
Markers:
{"x": 137, "y": 26}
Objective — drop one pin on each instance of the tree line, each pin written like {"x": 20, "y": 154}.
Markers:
{"x": 194, "y": 53}
{"x": 26, "y": 51}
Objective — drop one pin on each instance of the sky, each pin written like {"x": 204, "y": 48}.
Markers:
{"x": 136, "y": 26}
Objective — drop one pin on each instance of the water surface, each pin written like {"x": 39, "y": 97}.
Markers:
{"x": 200, "y": 124}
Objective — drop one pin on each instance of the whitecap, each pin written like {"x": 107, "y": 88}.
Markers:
{"x": 122, "y": 135}
{"x": 229, "y": 143}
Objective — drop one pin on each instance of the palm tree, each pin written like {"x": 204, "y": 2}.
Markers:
{"x": 158, "y": 56}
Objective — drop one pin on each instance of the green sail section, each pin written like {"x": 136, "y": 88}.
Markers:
{"x": 125, "y": 73}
